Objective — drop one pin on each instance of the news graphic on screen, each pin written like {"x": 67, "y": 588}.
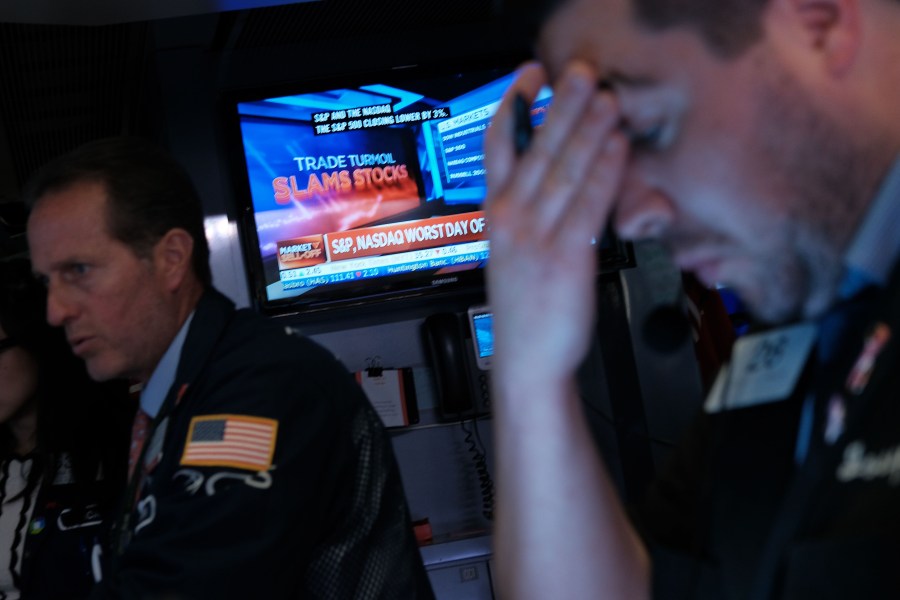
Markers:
{"x": 371, "y": 186}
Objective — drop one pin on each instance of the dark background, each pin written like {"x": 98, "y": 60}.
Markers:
{"x": 76, "y": 70}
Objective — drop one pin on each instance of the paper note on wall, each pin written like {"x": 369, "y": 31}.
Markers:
{"x": 385, "y": 390}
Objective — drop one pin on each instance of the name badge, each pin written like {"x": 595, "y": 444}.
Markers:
{"x": 764, "y": 368}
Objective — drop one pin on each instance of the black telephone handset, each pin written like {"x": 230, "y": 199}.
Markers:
{"x": 461, "y": 385}
{"x": 522, "y": 127}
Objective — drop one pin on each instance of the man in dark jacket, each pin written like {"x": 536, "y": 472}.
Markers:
{"x": 759, "y": 142}
{"x": 258, "y": 468}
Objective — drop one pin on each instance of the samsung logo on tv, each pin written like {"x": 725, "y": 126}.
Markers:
{"x": 444, "y": 280}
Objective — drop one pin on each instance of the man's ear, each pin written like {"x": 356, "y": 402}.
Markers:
{"x": 830, "y": 28}
{"x": 173, "y": 257}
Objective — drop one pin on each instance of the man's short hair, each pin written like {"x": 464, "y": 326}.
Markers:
{"x": 148, "y": 193}
{"x": 728, "y": 27}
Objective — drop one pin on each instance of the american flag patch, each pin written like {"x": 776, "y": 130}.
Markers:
{"x": 236, "y": 441}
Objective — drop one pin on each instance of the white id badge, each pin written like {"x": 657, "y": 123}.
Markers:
{"x": 764, "y": 368}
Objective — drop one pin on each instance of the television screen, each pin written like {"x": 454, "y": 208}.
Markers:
{"x": 368, "y": 187}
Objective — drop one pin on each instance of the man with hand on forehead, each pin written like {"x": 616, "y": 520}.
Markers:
{"x": 758, "y": 141}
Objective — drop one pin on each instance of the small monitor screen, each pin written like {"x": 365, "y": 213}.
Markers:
{"x": 484, "y": 335}
{"x": 370, "y": 186}
{"x": 482, "y": 328}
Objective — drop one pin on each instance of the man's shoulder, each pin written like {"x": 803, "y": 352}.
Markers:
{"x": 271, "y": 337}
{"x": 256, "y": 367}
{"x": 249, "y": 332}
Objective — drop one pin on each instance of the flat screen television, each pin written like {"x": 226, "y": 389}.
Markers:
{"x": 368, "y": 187}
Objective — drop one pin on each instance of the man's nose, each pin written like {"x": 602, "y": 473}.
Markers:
{"x": 60, "y": 309}
{"x": 643, "y": 212}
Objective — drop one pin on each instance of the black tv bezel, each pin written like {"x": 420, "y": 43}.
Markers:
{"x": 384, "y": 292}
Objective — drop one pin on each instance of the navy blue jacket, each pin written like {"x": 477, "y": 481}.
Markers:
{"x": 315, "y": 507}
{"x": 734, "y": 517}
{"x": 64, "y": 538}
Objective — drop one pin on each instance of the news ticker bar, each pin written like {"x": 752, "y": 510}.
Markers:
{"x": 379, "y": 266}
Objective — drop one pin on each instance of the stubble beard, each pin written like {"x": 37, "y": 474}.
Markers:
{"x": 826, "y": 179}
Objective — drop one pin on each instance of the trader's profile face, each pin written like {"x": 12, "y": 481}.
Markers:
{"x": 105, "y": 297}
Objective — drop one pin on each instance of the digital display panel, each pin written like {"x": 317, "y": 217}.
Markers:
{"x": 369, "y": 187}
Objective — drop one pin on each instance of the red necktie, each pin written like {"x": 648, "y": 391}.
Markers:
{"x": 138, "y": 435}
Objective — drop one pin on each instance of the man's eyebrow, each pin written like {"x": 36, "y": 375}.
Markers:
{"x": 615, "y": 79}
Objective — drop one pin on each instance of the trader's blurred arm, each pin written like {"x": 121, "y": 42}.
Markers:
{"x": 561, "y": 530}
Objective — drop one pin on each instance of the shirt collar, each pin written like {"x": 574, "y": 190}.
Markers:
{"x": 163, "y": 376}
{"x": 876, "y": 246}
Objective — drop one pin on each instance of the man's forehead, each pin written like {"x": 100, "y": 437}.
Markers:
{"x": 74, "y": 214}
{"x": 600, "y": 32}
